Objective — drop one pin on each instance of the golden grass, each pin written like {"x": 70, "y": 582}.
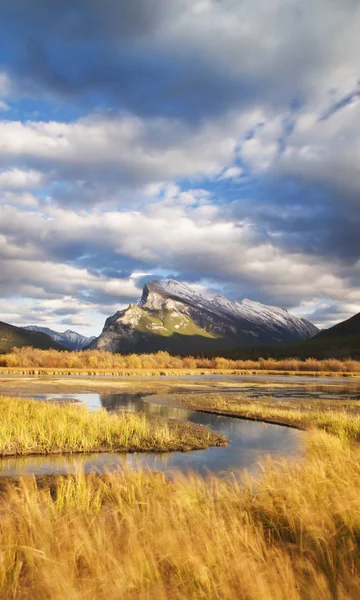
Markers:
{"x": 113, "y": 373}
{"x": 338, "y": 417}
{"x": 295, "y": 535}
{"x": 31, "y": 427}
{"x": 30, "y": 360}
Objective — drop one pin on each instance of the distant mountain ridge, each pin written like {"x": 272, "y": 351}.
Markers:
{"x": 340, "y": 341}
{"x": 70, "y": 339}
{"x": 172, "y": 316}
{"x": 344, "y": 328}
{"x": 18, "y": 337}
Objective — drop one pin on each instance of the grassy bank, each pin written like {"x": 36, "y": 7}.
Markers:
{"x": 338, "y": 417}
{"x": 95, "y": 362}
{"x": 31, "y": 427}
{"x": 168, "y": 372}
{"x": 296, "y": 535}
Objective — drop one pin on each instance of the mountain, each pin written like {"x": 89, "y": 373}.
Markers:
{"x": 69, "y": 339}
{"x": 346, "y": 328}
{"x": 172, "y": 316}
{"x": 340, "y": 341}
{"x": 11, "y": 336}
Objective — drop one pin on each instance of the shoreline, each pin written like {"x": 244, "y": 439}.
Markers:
{"x": 225, "y": 414}
{"x": 32, "y": 428}
{"x": 146, "y": 373}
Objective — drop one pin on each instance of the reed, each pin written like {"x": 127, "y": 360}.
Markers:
{"x": 95, "y": 361}
{"x": 340, "y": 418}
{"x": 32, "y": 427}
{"x": 294, "y": 535}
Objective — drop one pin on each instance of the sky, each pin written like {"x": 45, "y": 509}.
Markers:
{"x": 216, "y": 142}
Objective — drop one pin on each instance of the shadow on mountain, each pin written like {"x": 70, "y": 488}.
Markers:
{"x": 17, "y": 337}
{"x": 340, "y": 341}
{"x": 176, "y": 343}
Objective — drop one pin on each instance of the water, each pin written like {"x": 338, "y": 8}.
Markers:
{"x": 250, "y": 442}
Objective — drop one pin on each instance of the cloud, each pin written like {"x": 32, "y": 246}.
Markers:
{"x": 328, "y": 312}
{"x": 217, "y": 142}
{"x": 22, "y": 312}
{"x": 41, "y": 291}
{"x": 21, "y": 198}
{"x": 234, "y": 172}
{"x": 5, "y": 84}
{"x": 190, "y": 239}
{"x": 100, "y": 260}
{"x": 113, "y": 52}
{"x": 17, "y": 179}
{"x": 124, "y": 151}
{"x": 326, "y": 151}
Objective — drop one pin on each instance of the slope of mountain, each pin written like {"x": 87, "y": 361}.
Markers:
{"x": 70, "y": 339}
{"x": 345, "y": 328}
{"x": 340, "y": 341}
{"x": 11, "y": 336}
{"x": 172, "y": 316}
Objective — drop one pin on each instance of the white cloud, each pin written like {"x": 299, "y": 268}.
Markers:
{"x": 138, "y": 274}
{"x": 17, "y": 179}
{"x": 326, "y": 151}
{"x": 268, "y": 56}
{"x": 207, "y": 247}
{"x": 24, "y": 199}
{"x": 129, "y": 150}
{"x": 231, "y": 173}
{"x": 280, "y": 50}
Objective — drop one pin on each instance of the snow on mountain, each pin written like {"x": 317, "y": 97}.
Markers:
{"x": 253, "y": 313}
{"x": 171, "y": 315}
{"x": 70, "y": 339}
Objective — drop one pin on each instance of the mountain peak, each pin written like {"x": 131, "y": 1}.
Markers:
{"x": 247, "y": 301}
{"x": 172, "y": 315}
{"x": 168, "y": 288}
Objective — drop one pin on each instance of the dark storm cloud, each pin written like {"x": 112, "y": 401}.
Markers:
{"x": 110, "y": 51}
{"x": 180, "y": 57}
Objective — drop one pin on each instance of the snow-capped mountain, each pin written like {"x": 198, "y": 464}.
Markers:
{"x": 70, "y": 339}
{"x": 171, "y": 315}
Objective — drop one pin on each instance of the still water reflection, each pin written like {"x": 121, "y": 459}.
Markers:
{"x": 250, "y": 442}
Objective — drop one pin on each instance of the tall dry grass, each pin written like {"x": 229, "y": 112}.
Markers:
{"x": 31, "y": 427}
{"x": 92, "y": 361}
{"x": 338, "y": 417}
{"x": 295, "y": 535}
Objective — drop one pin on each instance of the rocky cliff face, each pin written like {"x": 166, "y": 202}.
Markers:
{"x": 172, "y": 316}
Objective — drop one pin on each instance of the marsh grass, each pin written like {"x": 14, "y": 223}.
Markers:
{"x": 29, "y": 360}
{"x": 338, "y": 417}
{"x": 32, "y": 427}
{"x": 295, "y": 535}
